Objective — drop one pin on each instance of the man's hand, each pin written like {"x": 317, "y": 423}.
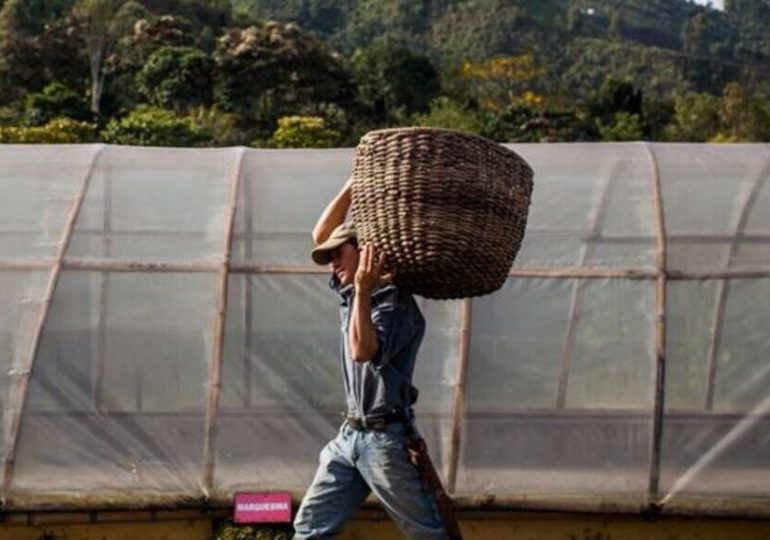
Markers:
{"x": 369, "y": 273}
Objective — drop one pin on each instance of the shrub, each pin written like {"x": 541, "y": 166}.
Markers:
{"x": 149, "y": 126}
{"x": 222, "y": 127}
{"x": 57, "y": 131}
{"x": 55, "y": 101}
{"x": 624, "y": 127}
{"x": 303, "y": 132}
{"x": 445, "y": 113}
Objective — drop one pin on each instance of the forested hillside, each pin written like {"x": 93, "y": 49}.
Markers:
{"x": 734, "y": 42}
{"x": 322, "y": 72}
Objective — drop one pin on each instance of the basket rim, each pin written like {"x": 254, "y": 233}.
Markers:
{"x": 427, "y": 129}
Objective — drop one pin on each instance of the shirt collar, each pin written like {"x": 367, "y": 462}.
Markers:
{"x": 346, "y": 291}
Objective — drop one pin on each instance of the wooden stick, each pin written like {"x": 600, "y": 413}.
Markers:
{"x": 20, "y": 386}
{"x": 215, "y": 374}
{"x": 458, "y": 415}
{"x": 658, "y": 381}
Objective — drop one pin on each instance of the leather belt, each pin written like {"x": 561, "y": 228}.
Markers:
{"x": 379, "y": 423}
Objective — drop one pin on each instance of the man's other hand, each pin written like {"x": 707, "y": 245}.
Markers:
{"x": 369, "y": 273}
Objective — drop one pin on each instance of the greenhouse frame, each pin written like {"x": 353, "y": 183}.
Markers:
{"x": 166, "y": 340}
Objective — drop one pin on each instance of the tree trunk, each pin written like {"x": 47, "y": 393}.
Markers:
{"x": 97, "y": 82}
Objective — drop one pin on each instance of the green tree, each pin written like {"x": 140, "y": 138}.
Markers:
{"x": 524, "y": 123}
{"x": 615, "y": 26}
{"x": 743, "y": 118}
{"x": 223, "y": 127}
{"x": 393, "y": 79}
{"x": 657, "y": 114}
{"x": 36, "y": 48}
{"x": 615, "y": 96}
{"x": 624, "y": 127}
{"x": 693, "y": 34}
{"x": 449, "y": 114}
{"x": 504, "y": 81}
{"x": 131, "y": 53}
{"x": 56, "y": 100}
{"x": 273, "y": 70}
{"x": 303, "y": 132}
{"x": 177, "y": 78}
{"x": 696, "y": 118}
{"x": 101, "y": 24}
{"x": 153, "y": 33}
{"x": 574, "y": 18}
{"x": 148, "y": 126}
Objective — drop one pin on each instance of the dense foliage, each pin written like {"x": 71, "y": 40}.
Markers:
{"x": 323, "y": 72}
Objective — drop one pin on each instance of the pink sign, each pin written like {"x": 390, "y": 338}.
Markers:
{"x": 272, "y": 507}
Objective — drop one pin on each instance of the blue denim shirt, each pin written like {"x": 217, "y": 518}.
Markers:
{"x": 383, "y": 384}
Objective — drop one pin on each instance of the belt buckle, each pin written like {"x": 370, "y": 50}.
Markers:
{"x": 379, "y": 424}
{"x": 362, "y": 424}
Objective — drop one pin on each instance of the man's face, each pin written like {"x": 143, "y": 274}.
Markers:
{"x": 344, "y": 262}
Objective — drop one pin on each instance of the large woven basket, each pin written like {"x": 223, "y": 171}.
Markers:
{"x": 448, "y": 209}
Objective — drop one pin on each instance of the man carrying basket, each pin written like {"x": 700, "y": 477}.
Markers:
{"x": 381, "y": 332}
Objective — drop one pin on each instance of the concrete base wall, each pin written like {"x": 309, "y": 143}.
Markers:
{"x": 374, "y": 526}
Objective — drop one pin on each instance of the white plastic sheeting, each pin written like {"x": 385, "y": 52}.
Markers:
{"x": 120, "y": 390}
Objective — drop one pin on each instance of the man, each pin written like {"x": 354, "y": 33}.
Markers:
{"x": 382, "y": 329}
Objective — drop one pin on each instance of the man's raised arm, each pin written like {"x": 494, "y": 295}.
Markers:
{"x": 333, "y": 214}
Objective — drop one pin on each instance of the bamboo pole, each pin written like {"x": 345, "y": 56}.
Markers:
{"x": 188, "y": 234}
{"x": 569, "y": 272}
{"x": 682, "y": 239}
{"x": 458, "y": 415}
{"x": 659, "y": 368}
{"x": 254, "y": 268}
{"x": 747, "y": 273}
{"x": 576, "y": 299}
{"x": 21, "y": 265}
{"x": 20, "y": 386}
{"x": 583, "y": 236}
{"x": 723, "y": 287}
{"x": 106, "y": 265}
{"x": 215, "y": 375}
{"x": 580, "y": 272}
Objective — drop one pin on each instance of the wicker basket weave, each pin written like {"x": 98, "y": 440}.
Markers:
{"x": 448, "y": 209}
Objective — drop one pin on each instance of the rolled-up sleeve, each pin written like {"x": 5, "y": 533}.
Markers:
{"x": 390, "y": 316}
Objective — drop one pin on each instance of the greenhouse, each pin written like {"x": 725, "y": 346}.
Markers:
{"x": 166, "y": 340}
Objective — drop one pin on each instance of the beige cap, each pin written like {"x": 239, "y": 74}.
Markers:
{"x": 339, "y": 236}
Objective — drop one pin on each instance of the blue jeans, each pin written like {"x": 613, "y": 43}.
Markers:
{"x": 355, "y": 463}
